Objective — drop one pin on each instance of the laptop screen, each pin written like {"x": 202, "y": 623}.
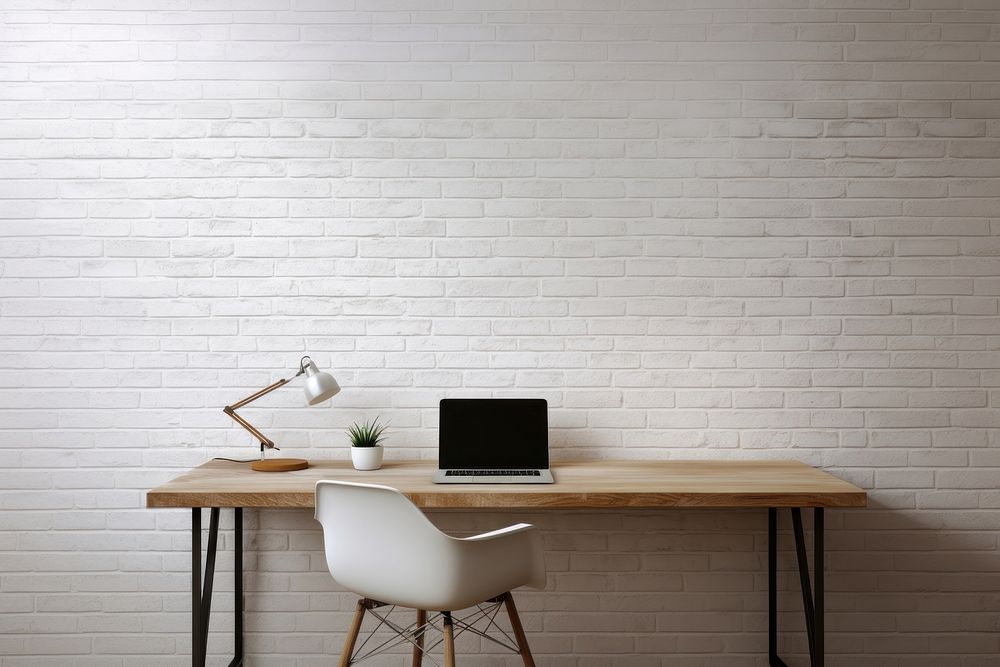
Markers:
{"x": 493, "y": 433}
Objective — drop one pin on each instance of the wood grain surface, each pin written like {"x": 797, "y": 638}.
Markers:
{"x": 579, "y": 485}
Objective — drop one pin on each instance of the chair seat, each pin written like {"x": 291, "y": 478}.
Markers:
{"x": 381, "y": 546}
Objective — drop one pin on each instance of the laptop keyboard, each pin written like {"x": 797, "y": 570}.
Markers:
{"x": 492, "y": 473}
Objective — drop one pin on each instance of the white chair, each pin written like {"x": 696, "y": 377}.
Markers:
{"x": 382, "y": 547}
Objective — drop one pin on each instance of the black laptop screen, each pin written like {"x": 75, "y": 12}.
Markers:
{"x": 496, "y": 433}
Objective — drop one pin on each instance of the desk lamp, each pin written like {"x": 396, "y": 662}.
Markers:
{"x": 319, "y": 387}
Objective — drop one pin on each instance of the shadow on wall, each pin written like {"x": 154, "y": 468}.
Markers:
{"x": 688, "y": 586}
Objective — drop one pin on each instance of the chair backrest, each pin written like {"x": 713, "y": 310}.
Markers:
{"x": 377, "y": 541}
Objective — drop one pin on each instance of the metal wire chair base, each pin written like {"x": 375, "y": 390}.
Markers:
{"x": 416, "y": 635}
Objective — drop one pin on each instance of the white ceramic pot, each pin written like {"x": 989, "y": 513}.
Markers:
{"x": 366, "y": 458}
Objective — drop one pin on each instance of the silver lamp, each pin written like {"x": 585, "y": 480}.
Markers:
{"x": 320, "y": 386}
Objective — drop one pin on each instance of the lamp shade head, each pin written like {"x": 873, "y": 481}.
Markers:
{"x": 320, "y": 386}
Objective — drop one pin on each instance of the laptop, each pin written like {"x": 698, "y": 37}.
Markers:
{"x": 493, "y": 441}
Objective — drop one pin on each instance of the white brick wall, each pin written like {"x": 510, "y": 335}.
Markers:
{"x": 745, "y": 229}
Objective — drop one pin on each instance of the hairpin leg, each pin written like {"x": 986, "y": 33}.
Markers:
{"x": 812, "y": 593}
{"x": 201, "y": 591}
{"x": 197, "y": 641}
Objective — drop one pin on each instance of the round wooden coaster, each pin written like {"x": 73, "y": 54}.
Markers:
{"x": 279, "y": 465}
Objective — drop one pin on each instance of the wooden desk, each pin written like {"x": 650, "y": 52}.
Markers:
{"x": 579, "y": 485}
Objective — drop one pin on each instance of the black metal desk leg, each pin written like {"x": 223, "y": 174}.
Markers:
{"x": 812, "y": 592}
{"x": 196, "y": 642}
{"x": 804, "y": 583}
{"x": 201, "y": 591}
{"x": 772, "y": 585}
{"x": 207, "y": 589}
{"x": 772, "y": 589}
{"x": 238, "y": 587}
{"x": 818, "y": 643}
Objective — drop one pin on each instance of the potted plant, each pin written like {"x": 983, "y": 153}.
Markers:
{"x": 366, "y": 450}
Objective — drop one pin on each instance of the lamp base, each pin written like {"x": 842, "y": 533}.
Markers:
{"x": 279, "y": 465}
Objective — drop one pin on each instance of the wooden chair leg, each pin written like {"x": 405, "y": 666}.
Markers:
{"x": 418, "y": 652}
{"x": 515, "y": 624}
{"x": 449, "y": 641}
{"x": 352, "y": 634}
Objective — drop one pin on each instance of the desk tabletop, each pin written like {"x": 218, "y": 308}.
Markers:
{"x": 579, "y": 485}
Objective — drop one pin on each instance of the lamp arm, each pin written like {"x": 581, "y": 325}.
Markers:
{"x": 263, "y": 392}
{"x": 264, "y": 440}
{"x": 231, "y": 411}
